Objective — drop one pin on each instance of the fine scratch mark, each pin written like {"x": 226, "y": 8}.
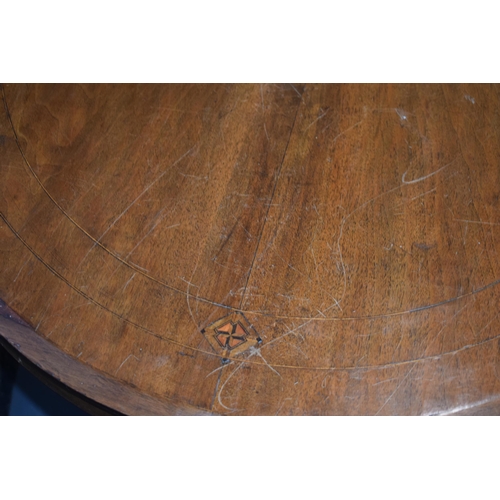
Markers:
{"x": 265, "y": 130}
{"x": 479, "y": 333}
{"x": 315, "y": 265}
{"x": 146, "y": 189}
{"x": 218, "y": 369}
{"x": 253, "y": 351}
{"x": 291, "y": 332}
{"x": 478, "y": 222}
{"x": 224, "y": 385}
{"x": 42, "y": 318}
{"x": 238, "y": 221}
{"x": 188, "y": 293}
{"x": 125, "y": 360}
{"x": 288, "y": 332}
{"x": 395, "y": 390}
{"x": 420, "y": 179}
{"x": 384, "y": 381}
{"x": 297, "y": 92}
{"x": 341, "y": 231}
{"x": 281, "y": 405}
{"x": 447, "y": 324}
{"x": 129, "y": 280}
{"x": 423, "y": 194}
{"x": 256, "y": 352}
{"x": 317, "y": 119}
{"x": 198, "y": 177}
{"x": 345, "y": 131}
{"x": 139, "y": 267}
{"x": 147, "y": 234}
{"x": 19, "y": 272}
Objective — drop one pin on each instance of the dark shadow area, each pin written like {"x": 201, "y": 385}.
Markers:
{"x": 8, "y": 369}
{"x": 22, "y": 394}
{"x": 32, "y": 397}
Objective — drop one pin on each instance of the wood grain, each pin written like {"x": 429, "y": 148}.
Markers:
{"x": 350, "y": 230}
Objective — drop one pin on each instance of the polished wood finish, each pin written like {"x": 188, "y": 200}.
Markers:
{"x": 256, "y": 249}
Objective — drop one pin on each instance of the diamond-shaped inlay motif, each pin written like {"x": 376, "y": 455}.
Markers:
{"x": 231, "y": 334}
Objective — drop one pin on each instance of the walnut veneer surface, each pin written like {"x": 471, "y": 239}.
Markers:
{"x": 255, "y": 249}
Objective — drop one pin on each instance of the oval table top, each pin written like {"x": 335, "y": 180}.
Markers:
{"x": 255, "y": 249}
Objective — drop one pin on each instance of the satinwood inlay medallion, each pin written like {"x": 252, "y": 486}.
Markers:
{"x": 231, "y": 334}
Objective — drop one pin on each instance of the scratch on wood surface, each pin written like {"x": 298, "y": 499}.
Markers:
{"x": 218, "y": 369}
{"x": 19, "y": 272}
{"x": 395, "y": 350}
{"x": 287, "y": 333}
{"x": 43, "y": 316}
{"x": 423, "y": 194}
{"x": 395, "y": 390}
{"x": 254, "y": 351}
{"x": 281, "y": 405}
{"x": 384, "y": 381}
{"x": 446, "y": 323}
{"x": 238, "y": 221}
{"x": 125, "y": 360}
{"x": 188, "y": 294}
{"x": 315, "y": 265}
{"x": 341, "y": 232}
{"x": 345, "y": 131}
{"x": 139, "y": 267}
{"x": 129, "y": 280}
{"x": 294, "y": 268}
{"x": 297, "y": 92}
{"x": 215, "y": 261}
{"x": 294, "y": 331}
{"x": 420, "y": 179}
{"x": 317, "y": 119}
{"x": 478, "y": 222}
{"x": 198, "y": 177}
{"x": 360, "y": 207}
{"x": 476, "y": 334}
{"x": 265, "y": 130}
{"x": 219, "y": 395}
{"x": 148, "y": 233}
{"x": 146, "y": 189}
